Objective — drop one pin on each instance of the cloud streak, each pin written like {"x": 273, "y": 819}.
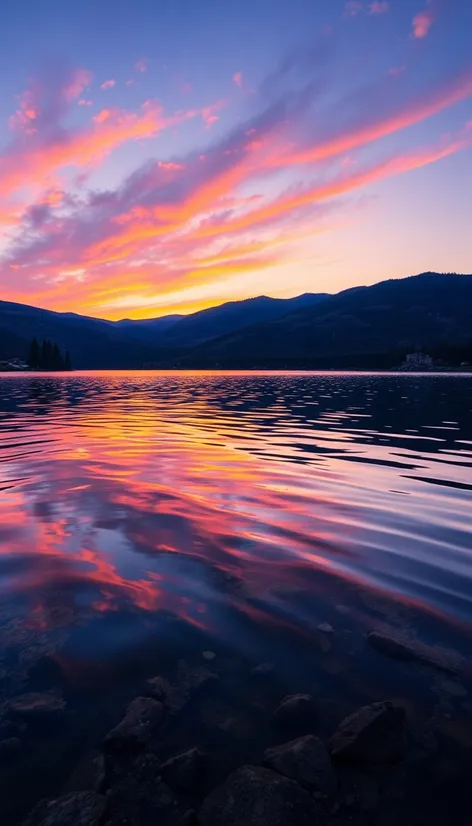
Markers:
{"x": 181, "y": 226}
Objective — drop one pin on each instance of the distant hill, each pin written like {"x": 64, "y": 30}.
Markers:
{"x": 397, "y": 316}
{"x": 360, "y": 327}
{"x": 95, "y": 343}
{"x": 91, "y": 342}
{"x": 234, "y": 315}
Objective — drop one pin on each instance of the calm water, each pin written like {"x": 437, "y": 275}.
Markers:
{"x": 146, "y": 518}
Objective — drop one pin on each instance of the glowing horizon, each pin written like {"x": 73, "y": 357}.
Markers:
{"x": 133, "y": 187}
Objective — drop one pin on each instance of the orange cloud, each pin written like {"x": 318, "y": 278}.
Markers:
{"x": 422, "y": 23}
{"x": 415, "y": 112}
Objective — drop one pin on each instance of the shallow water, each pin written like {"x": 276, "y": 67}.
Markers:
{"x": 146, "y": 518}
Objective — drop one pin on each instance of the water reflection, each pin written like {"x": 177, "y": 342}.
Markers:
{"x": 124, "y": 492}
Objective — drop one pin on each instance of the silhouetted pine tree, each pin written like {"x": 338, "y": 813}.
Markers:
{"x": 34, "y": 354}
{"x": 57, "y": 360}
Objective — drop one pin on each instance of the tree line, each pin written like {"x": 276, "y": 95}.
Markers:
{"x": 47, "y": 356}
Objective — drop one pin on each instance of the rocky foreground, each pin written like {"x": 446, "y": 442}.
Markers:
{"x": 133, "y": 787}
{"x": 351, "y": 776}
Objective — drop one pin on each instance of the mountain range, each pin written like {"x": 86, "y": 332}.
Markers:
{"x": 360, "y": 327}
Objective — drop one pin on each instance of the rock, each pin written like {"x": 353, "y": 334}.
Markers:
{"x": 9, "y": 729}
{"x": 374, "y": 733}
{"x": 306, "y": 761}
{"x": 453, "y": 688}
{"x": 296, "y": 713}
{"x": 36, "y": 705}
{"x": 401, "y": 648}
{"x": 262, "y": 669}
{"x": 9, "y": 748}
{"x": 134, "y": 731}
{"x": 45, "y": 673}
{"x": 77, "y": 809}
{"x": 137, "y": 796}
{"x": 185, "y": 772}
{"x": 209, "y": 655}
{"x": 175, "y": 695}
{"x": 89, "y": 773}
{"x": 252, "y": 796}
{"x": 325, "y": 627}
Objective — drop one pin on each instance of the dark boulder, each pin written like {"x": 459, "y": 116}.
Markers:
{"x": 185, "y": 772}
{"x": 306, "y": 761}
{"x": 188, "y": 682}
{"x": 296, "y": 714}
{"x": 77, "y": 809}
{"x": 9, "y": 748}
{"x": 400, "y": 648}
{"x": 134, "y": 731}
{"x": 253, "y": 796}
{"x": 37, "y": 706}
{"x": 137, "y": 795}
{"x": 374, "y": 733}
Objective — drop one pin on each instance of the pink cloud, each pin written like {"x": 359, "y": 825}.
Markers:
{"x": 238, "y": 79}
{"x": 195, "y": 220}
{"x": 85, "y": 102}
{"x": 379, "y": 7}
{"x": 141, "y": 64}
{"x": 395, "y": 71}
{"x": 209, "y": 113}
{"x": 81, "y": 78}
{"x": 422, "y": 23}
{"x": 352, "y": 8}
{"x": 108, "y": 84}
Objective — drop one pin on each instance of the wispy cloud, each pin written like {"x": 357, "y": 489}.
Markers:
{"x": 379, "y": 7}
{"x": 141, "y": 65}
{"x": 422, "y": 23}
{"x": 238, "y": 79}
{"x": 352, "y": 8}
{"x": 108, "y": 84}
{"x": 180, "y": 225}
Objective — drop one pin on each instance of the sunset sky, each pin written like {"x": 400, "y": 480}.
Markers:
{"x": 162, "y": 156}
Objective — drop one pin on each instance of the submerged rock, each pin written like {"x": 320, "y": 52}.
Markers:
{"x": 253, "y": 796}
{"x": 262, "y": 670}
{"x": 374, "y": 733}
{"x": 137, "y": 796}
{"x": 296, "y": 713}
{"x": 77, "y": 809}
{"x": 306, "y": 761}
{"x": 188, "y": 682}
{"x": 186, "y": 771}
{"x": 36, "y": 705}
{"x": 9, "y": 748}
{"x": 134, "y": 731}
{"x": 401, "y": 648}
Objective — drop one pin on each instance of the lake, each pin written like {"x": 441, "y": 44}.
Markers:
{"x": 254, "y": 527}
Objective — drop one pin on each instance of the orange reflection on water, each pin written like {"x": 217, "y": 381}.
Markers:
{"x": 141, "y": 491}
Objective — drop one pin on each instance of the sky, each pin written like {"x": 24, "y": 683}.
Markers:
{"x": 162, "y": 157}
